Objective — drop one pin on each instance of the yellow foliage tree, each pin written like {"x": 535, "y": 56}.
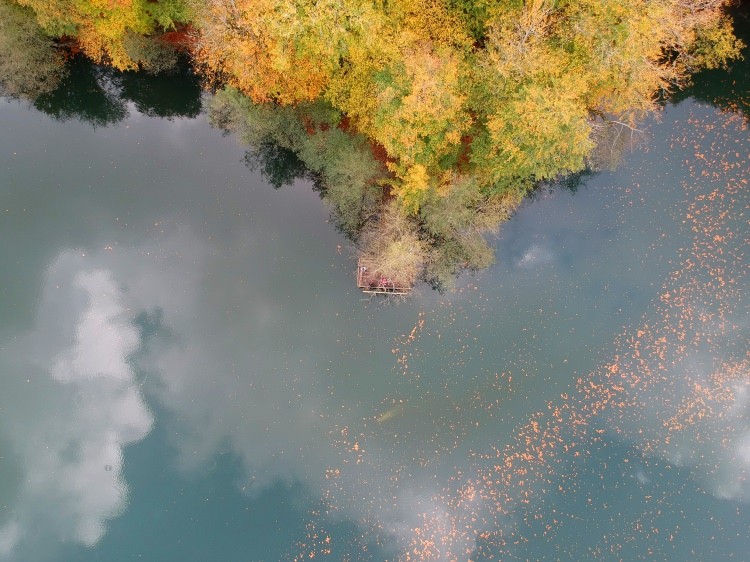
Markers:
{"x": 280, "y": 51}
{"x": 102, "y": 26}
{"x": 505, "y": 91}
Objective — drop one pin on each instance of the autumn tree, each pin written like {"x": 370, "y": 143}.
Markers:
{"x": 272, "y": 50}
{"x": 473, "y": 102}
{"x": 113, "y": 31}
{"x": 30, "y": 64}
{"x": 464, "y": 101}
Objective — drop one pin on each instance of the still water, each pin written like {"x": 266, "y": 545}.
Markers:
{"x": 189, "y": 373}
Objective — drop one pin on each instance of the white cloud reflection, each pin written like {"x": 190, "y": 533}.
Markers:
{"x": 697, "y": 419}
{"x": 535, "y": 256}
{"x": 70, "y": 404}
{"x": 241, "y": 372}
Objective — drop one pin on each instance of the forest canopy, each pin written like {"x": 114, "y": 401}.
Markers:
{"x": 509, "y": 91}
{"x": 466, "y": 104}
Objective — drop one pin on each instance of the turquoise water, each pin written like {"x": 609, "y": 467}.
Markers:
{"x": 189, "y": 373}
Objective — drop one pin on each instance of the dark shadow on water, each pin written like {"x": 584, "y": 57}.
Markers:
{"x": 99, "y": 95}
{"x": 167, "y": 95}
{"x": 727, "y": 89}
{"x": 570, "y": 183}
{"x": 279, "y": 166}
{"x": 87, "y": 94}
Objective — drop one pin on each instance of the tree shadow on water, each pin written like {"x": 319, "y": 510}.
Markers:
{"x": 726, "y": 88}
{"x": 87, "y": 94}
{"x": 278, "y": 165}
{"x": 168, "y": 95}
{"x": 99, "y": 95}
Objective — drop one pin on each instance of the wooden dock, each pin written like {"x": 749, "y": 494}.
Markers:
{"x": 374, "y": 283}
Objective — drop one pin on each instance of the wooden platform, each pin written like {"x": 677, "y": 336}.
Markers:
{"x": 371, "y": 282}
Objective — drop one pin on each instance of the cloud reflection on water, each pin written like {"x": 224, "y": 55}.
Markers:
{"x": 241, "y": 364}
{"x": 251, "y": 382}
{"x": 69, "y": 406}
{"x": 686, "y": 370}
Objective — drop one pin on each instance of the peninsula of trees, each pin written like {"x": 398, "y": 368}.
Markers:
{"x": 423, "y": 122}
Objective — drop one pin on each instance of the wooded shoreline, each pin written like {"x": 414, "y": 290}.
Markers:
{"x": 423, "y": 123}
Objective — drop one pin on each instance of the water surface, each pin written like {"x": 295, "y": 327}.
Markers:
{"x": 189, "y": 373}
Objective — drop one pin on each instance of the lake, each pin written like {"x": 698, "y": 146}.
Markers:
{"x": 189, "y": 372}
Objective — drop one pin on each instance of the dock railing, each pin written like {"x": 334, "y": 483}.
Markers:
{"x": 373, "y": 282}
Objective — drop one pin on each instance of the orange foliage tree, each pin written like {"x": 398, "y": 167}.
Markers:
{"x": 513, "y": 88}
